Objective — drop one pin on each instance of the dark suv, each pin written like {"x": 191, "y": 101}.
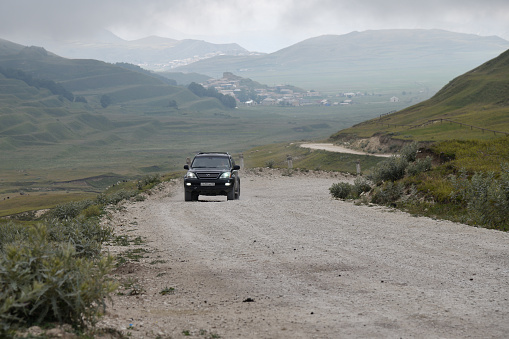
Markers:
{"x": 212, "y": 173}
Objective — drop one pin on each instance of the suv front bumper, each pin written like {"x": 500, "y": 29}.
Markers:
{"x": 209, "y": 187}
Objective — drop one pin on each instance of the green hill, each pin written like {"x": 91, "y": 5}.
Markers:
{"x": 58, "y": 113}
{"x": 47, "y": 99}
{"x": 474, "y": 105}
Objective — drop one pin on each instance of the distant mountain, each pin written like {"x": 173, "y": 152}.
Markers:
{"x": 153, "y": 53}
{"x": 477, "y": 99}
{"x": 381, "y": 59}
{"x": 9, "y": 48}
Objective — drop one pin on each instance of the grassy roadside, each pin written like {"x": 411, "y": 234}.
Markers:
{"x": 276, "y": 155}
{"x": 53, "y": 273}
{"x": 460, "y": 180}
{"x": 22, "y": 204}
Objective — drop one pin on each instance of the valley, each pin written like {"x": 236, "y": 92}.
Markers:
{"x": 158, "y": 142}
{"x": 73, "y": 127}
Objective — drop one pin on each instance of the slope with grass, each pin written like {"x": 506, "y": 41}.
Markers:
{"x": 471, "y": 106}
{"x": 462, "y": 171}
{"x": 33, "y": 113}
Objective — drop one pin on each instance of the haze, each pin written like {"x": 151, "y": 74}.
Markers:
{"x": 262, "y": 25}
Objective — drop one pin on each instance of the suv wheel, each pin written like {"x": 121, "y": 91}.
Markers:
{"x": 230, "y": 195}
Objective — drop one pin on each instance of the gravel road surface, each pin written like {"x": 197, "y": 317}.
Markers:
{"x": 341, "y": 149}
{"x": 287, "y": 261}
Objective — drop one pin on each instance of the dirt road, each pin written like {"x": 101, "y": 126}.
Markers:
{"x": 341, "y": 149}
{"x": 287, "y": 261}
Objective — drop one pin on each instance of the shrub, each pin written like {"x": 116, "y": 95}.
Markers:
{"x": 92, "y": 211}
{"x": 360, "y": 185}
{"x": 391, "y": 169}
{"x": 116, "y": 197}
{"x": 41, "y": 281}
{"x": 486, "y": 197}
{"x": 86, "y": 235}
{"x": 69, "y": 210}
{"x": 436, "y": 187}
{"x": 11, "y": 232}
{"x": 419, "y": 166}
{"x": 388, "y": 193}
{"x": 148, "y": 182}
{"x": 409, "y": 151}
{"x": 340, "y": 190}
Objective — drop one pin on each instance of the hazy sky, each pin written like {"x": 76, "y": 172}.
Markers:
{"x": 257, "y": 25}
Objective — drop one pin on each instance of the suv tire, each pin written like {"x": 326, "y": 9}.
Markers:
{"x": 231, "y": 195}
{"x": 237, "y": 194}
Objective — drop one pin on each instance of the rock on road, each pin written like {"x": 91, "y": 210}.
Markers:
{"x": 287, "y": 261}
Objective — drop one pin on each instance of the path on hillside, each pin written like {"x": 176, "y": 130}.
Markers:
{"x": 341, "y": 149}
{"x": 287, "y": 261}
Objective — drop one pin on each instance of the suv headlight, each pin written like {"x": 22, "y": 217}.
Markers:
{"x": 226, "y": 175}
{"x": 191, "y": 175}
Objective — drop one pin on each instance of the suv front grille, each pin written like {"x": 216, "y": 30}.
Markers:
{"x": 208, "y": 175}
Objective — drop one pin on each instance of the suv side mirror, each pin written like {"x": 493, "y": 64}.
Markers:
{"x": 236, "y": 167}
{"x": 186, "y": 167}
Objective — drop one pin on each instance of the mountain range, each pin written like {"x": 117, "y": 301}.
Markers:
{"x": 376, "y": 60}
{"x": 153, "y": 52}
{"x": 369, "y": 60}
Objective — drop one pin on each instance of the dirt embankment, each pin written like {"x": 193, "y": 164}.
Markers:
{"x": 377, "y": 145}
{"x": 287, "y": 261}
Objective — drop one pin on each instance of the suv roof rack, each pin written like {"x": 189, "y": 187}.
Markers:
{"x": 226, "y": 153}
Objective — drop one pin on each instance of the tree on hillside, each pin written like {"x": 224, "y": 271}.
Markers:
{"x": 105, "y": 101}
{"x": 173, "y": 104}
{"x": 197, "y": 89}
{"x": 243, "y": 96}
{"x": 228, "y": 101}
{"x": 80, "y": 99}
{"x": 52, "y": 86}
{"x": 213, "y": 93}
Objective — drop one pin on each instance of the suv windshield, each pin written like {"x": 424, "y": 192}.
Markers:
{"x": 211, "y": 162}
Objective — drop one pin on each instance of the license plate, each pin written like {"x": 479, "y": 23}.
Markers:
{"x": 208, "y": 184}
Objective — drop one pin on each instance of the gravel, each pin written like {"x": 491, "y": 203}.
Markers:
{"x": 287, "y": 261}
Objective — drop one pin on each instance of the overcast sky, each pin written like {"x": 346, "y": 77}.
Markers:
{"x": 257, "y": 25}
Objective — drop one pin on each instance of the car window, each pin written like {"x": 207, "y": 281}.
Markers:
{"x": 211, "y": 162}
